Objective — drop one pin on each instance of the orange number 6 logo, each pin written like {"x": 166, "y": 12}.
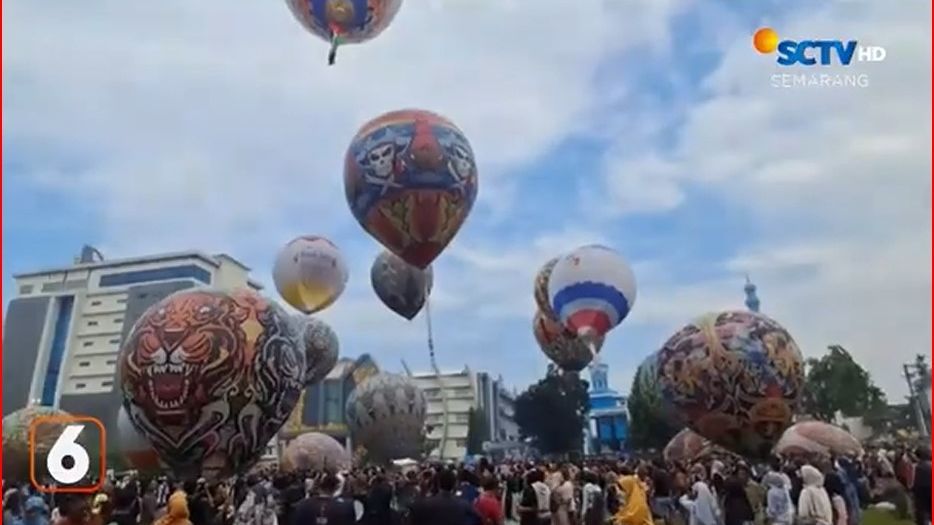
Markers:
{"x": 50, "y": 460}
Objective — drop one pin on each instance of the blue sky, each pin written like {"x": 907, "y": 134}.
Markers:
{"x": 649, "y": 126}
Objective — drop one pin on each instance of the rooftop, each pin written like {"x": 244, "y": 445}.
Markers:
{"x": 213, "y": 260}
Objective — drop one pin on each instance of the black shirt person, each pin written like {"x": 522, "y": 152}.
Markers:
{"x": 445, "y": 507}
{"x": 324, "y": 508}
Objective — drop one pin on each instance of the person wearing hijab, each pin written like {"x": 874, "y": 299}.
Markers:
{"x": 814, "y": 507}
{"x": 737, "y": 510}
{"x": 12, "y": 506}
{"x": 563, "y": 495}
{"x": 703, "y": 507}
{"x": 176, "y": 512}
{"x": 635, "y": 510}
{"x": 259, "y": 508}
{"x": 779, "y": 509}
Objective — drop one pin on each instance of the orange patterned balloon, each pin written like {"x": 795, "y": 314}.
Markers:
{"x": 209, "y": 377}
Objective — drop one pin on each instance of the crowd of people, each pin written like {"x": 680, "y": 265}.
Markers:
{"x": 714, "y": 491}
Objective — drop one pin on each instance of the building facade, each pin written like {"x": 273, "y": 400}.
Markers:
{"x": 63, "y": 331}
{"x": 609, "y": 419}
{"x": 321, "y": 406}
{"x": 465, "y": 391}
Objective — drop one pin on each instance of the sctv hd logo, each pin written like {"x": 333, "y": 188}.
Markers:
{"x": 814, "y": 52}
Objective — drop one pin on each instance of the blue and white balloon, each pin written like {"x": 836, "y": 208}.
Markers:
{"x": 592, "y": 290}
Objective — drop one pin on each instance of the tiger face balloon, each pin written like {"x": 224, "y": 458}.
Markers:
{"x": 209, "y": 377}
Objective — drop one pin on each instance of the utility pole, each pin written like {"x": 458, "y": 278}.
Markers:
{"x": 915, "y": 397}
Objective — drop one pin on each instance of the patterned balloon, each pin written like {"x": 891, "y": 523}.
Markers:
{"x": 817, "y": 437}
{"x": 209, "y": 377}
{"x": 344, "y": 21}
{"x": 315, "y": 451}
{"x": 411, "y": 180}
{"x": 689, "y": 446}
{"x": 399, "y": 285}
{"x": 592, "y": 290}
{"x": 541, "y": 289}
{"x": 16, "y": 427}
{"x": 563, "y": 347}
{"x": 310, "y": 273}
{"x": 736, "y": 377}
{"x": 135, "y": 448}
{"x": 386, "y": 415}
{"x": 321, "y": 348}
{"x": 650, "y": 390}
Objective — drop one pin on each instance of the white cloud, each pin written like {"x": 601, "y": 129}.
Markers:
{"x": 836, "y": 179}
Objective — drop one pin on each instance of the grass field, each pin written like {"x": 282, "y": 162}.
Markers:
{"x": 881, "y": 517}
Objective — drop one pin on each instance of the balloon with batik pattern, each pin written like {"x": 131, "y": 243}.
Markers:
{"x": 563, "y": 347}
{"x": 735, "y": 377}
{"x": 344, "y": 21}
{"x": 386, "y": 415}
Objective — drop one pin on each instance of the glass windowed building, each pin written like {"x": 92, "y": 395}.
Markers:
{"x": 64, "y": 328}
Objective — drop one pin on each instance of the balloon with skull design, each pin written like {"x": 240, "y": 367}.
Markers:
{"x": 410, "y": 178}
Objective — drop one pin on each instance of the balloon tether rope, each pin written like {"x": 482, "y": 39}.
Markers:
{"x": 434, "y": 366}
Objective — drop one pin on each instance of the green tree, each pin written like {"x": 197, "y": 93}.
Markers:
{"x": 837, "y": 383}
{"x": 478, "y": 431}
{"x": 553, "y": 412}
{"x": 647, "y": 429}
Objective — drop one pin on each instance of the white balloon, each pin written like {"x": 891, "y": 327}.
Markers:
{"x": 310, "y": 273}
{"x": 592, "y": 290}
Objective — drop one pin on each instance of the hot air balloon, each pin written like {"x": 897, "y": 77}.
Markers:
{"x": 310, "y": 273}
{"x": 650, "y": 393}
{"x": 315, "y": 451}
{"x": 16, "y": 429}
{"x": 592, "y": 289}
{"x": 687, "y": 445}
{"x": 817, "y": 437}
{"x": 399, "y": 285}
{"x": 209, "y": 377}
{"x": 386, "y": 415}
{"x": 411, "y": 179}
{"x": 344, "y": 21}
{"x": 540, "y": 289}
{"x": 321, "y": 348}
{"x": 135, "y": 448}
{"x": 563, "y": 347}
{"x": 735, "y": 377}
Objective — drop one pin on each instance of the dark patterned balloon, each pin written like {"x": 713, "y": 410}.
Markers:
{"x": 209, "y": 377}
{"x": 565, "y": 349}
{"x": 411, "y": 180}
{"x": 736, "y": 378}
{"x": 16, "y": 427}
{"x": 650, "y": 390}
{"x": 321, "y": 348}
{"x": 399, "y": 285}
{"x": 540, "y": 289}
{"x": 386, "y": 416}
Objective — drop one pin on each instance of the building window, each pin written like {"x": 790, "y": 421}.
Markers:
{"x": 26, "y": 289}
{"x": 460, "y": 442}
{"x": 111, "y": 361}
{"x": 333, "y": 408}
{"x": 121, "y": 300}
{"x": 79, "y": 386}
{"x": 114, "y": 341}
{"x": 87, "y": 344}
{"x": 92, "y": 323}
{"x": 84, "y": 363}
{"x": 95, "y": 303}
{"x": 188, "y": 271}
{"x": 107, "y": 383}
{"x": 118, "y": 320}
{"x": 57, "y": 350}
